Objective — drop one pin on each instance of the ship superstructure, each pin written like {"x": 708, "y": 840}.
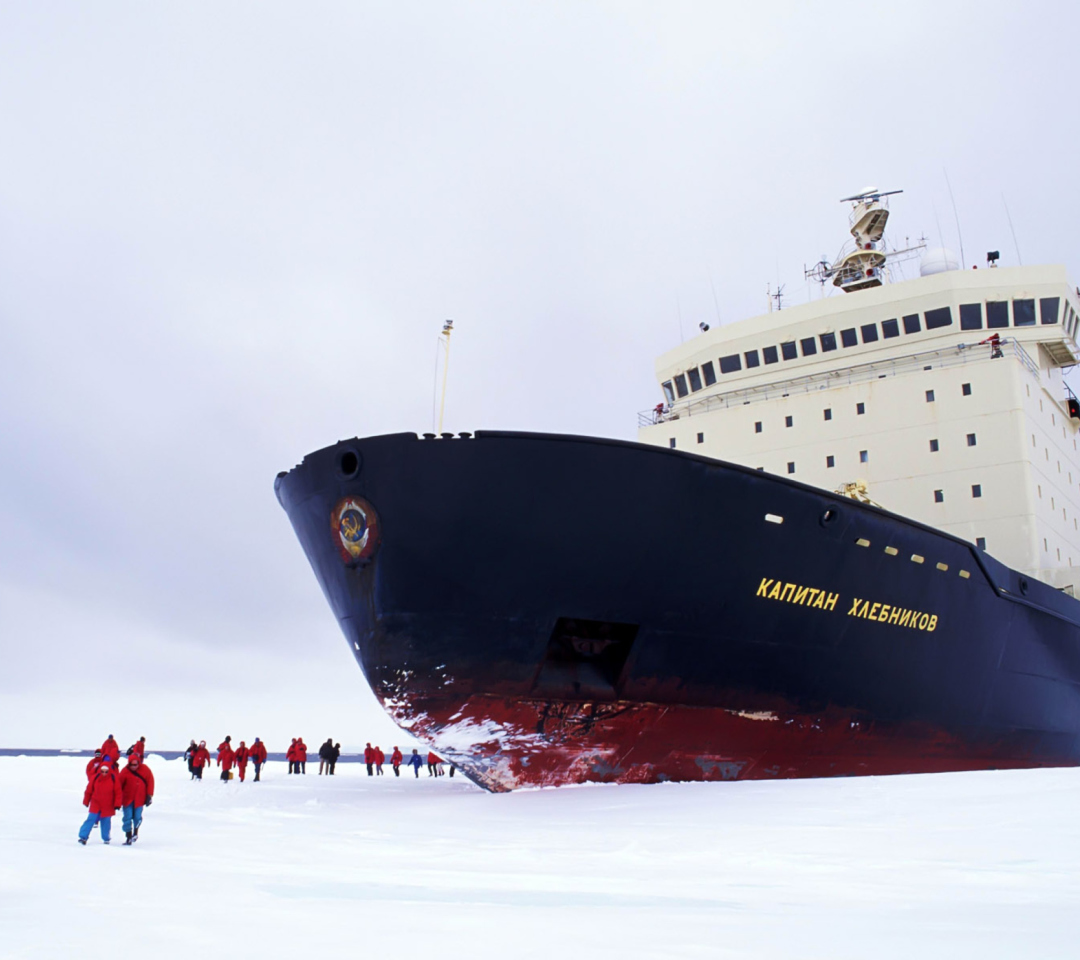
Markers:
{"x": 944, "y": 394}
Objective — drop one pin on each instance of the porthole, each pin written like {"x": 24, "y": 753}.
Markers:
{"x": 829, "y": 516}
{"x": 1023, "y": 586}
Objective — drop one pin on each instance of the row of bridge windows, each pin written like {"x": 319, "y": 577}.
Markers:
{"x": 997, "y": 315}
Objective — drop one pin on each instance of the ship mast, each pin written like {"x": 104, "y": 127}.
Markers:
{"x": 863, "y": 267}
{"x": 444, "y": 339}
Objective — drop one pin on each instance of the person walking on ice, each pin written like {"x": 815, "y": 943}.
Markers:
{"x": 380, "y": 759}
{"x": 200, "y": 759}
{"x": 242, "y": 756}
{"x": 257, "y": 753}
{"x": 225, "y": 757}
{"x": 103, "y": 797}
{"x": 136, "y": 791}
{"x": 395, "y": 761}
{"x": 416, "y": 762}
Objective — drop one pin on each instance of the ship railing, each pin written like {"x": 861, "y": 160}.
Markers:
{"x": 963, "y": 353}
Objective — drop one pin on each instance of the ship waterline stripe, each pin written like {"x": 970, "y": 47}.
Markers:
{"x": 818, "y": 599}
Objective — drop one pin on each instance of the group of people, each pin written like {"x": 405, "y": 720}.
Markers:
{"x": 110, "y": 788}
{"x": 374, "y": 758}
{"x": 297, "y": 756}
{"x": 198, "y": 757}
{"x": 328, "y": 756}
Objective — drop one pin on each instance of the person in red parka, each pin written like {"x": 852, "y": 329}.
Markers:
{"x": 369, "y": 759}
{"x": 225, "y": 757}
{"x": 395, "y": 761}
{"x": 242, "y": 754}
{"x": 136, "y": 791}
{"x": 110, "y": 749}
{"x": 433, "y": 764}
{"x": 102, "y": 796}
{"x": 139, "y": 747}
{"x": 92, "y": 766}
{"x": 301, "y": 755}
{"x": 290, "y": 755}
{"x": 380, "y": 759}
{"x": 257, "y": 753}
{"x": 200, "y": 759}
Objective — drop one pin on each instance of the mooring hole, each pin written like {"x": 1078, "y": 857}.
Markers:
{"x": 350, "y": 463}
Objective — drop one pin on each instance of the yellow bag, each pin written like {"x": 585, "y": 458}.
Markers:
{"x": 230, "y": 774}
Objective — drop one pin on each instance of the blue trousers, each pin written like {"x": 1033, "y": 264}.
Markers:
{"x": 132, "y": 813}
{"x": 88, "y": 825}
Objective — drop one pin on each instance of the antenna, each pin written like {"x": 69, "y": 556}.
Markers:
{"x": 715, "y": 301}
{"x": 444, "y": 340}
{"x": 779, "y": 295}
{"x": 1008, "y": 216}
{"x": 959, "y": 235}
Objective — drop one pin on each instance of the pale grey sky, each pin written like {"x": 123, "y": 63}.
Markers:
{"x": 229, "y": 235}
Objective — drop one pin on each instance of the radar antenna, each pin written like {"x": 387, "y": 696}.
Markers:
{"x": 864, "y": 266}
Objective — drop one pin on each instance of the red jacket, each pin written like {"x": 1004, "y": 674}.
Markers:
{"x": 290, "y": 754}
{"x": 139, "y": 747}
{"x": 102, "y": 794}
{"x": 431, "y": 758}
{"x": 111, "y": 749}
{"x": 136, "y": 784}
{"x": 242, "y": 754}
{"x": 380, "y": 757}
{"x": 257, "y": 752}
{"x": 396, "y": 758}
{"x": 201, "y": 757}
{"x": 91, "y": 767}
{"x": 225, "y": 756}
{"x": 369, "y": 754}
{"x": 301, "y": 751}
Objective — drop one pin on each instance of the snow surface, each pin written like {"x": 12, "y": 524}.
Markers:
{"x": 955, "y": 865}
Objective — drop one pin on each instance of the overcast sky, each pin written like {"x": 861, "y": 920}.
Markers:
{"x": 230, "y": 234}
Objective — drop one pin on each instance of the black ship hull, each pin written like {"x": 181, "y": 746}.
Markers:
{"x": 549, "y": 609}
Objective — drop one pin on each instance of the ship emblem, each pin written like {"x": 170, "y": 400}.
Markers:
{"x": 356, "y": 528}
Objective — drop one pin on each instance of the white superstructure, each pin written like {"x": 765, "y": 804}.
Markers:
{"x": 893, "y": 384}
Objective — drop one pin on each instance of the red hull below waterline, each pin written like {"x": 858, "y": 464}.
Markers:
{"x": 510, "y": 744}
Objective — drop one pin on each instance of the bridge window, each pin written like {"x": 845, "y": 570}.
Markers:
{"x": 752, "y": 359}
{"x": 997, "y": 313}
{"x": 849, "y": 337}
{"x": 890, "y": 328}
{"x": 828, "y": 342}
{"x": 730, "y": 364}
{"x": 912, "y": 324}
{"x": 709, "y": 372}
{"x": 1048, "y": 309}
{"x": 669, "y": 393}
{"x": 971, "y": 316}
{"x": 809, "y": 346}
{"x": 941, "y": 317}
{"x": 869, "y": 332}
{"x": 769, "y": 354}
{"x": 695, "y": 379}
{"x": 788, "y": 350}
{"x": 680, "y": 385}
{"x": 1023, "y": 313}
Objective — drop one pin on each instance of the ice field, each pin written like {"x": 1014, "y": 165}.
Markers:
{"x": 956, "y": 865}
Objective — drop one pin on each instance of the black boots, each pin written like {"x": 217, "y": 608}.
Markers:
{"x": 127, "y": 842}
